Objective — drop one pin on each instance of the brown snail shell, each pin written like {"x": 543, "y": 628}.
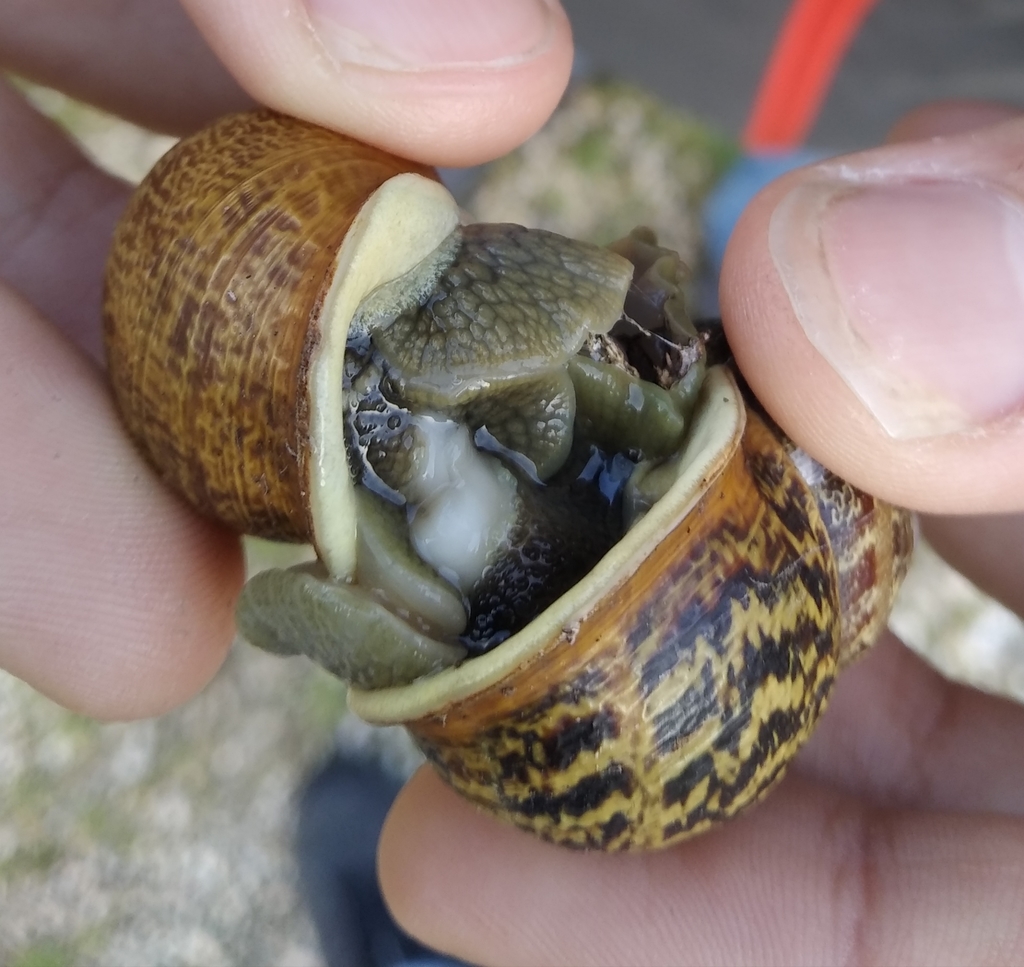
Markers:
{"x": 253, "y": 211}
{"x": 666, "y": 690}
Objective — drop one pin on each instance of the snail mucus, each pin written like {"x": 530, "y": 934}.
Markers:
{"x": 604, "y": 593}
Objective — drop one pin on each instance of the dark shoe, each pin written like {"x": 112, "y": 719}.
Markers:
{"x": 341, "y": 813}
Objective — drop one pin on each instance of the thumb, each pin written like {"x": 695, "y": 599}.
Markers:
{"x": 875, "y": 303}
{"x": 451, "y": 82}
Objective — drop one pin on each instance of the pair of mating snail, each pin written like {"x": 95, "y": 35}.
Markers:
{"x": 604, "y": 593}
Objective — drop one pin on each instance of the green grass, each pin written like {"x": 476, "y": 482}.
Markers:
{"x": 46, "y": 953}
{"x": 324, "y": 702}
{"x": 31, "y": 858}
{"x": 101, "y": 824}
{"x": 591, "y": 153}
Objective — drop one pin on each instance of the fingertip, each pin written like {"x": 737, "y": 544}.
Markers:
{"x": 173, "y": 639}
{"x": 455, "y": 83}
{"x": 871, "y": 311}
{"x": 786, "y": 374}
{"x": 399, "y": 838}
{"x": 464, "y": 882}
{"x": 426, "y": 837}
{"x": 115, "y": 600}
{"x": 136, "y": 614}
{"x": 397, "y": 853}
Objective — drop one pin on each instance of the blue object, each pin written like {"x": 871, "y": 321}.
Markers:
{"x": 737, "y": 187}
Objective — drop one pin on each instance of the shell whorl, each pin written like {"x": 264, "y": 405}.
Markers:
{"x": 871, "y": 542}
{"x": 218, "y": 271}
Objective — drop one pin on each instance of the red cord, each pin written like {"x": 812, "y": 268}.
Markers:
{"x": 808, "y": 51}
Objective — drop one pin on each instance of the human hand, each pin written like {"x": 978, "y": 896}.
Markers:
{"x": 115, "y": 600}
{"x": 898, "y": 837}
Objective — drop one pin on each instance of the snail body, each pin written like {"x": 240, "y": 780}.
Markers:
{"x": 672, "y": 682}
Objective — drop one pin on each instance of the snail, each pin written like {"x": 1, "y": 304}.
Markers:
{"x": 555, "y": 536}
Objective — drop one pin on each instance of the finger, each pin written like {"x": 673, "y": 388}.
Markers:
{"x": 114, "y": 599}
{"x": 141, "y": 59}
{"x": 898, "y": 734}
{"x": 57, "y": 215}
{"x": 940, "y": 119}
{"x": 450, "y": 82}
{"x": 806, "y": 878}
{"x": 876, "y": 307}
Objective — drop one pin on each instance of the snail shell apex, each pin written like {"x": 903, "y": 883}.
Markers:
{"x": 665, "y": 691}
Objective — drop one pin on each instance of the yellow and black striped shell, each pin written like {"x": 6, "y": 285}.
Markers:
{"x": 666, "y": 690}
{"x": 673, "y": 687}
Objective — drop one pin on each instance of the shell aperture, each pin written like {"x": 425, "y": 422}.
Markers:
{"x": 468, "y": 438}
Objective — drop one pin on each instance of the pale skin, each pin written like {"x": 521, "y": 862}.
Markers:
{"x": 899, "y": 837}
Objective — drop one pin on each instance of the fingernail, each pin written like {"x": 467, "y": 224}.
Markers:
{"x": 419, "y": 35}
{"x": 913, "y": 290}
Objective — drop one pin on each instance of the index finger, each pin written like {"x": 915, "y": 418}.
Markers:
{"x": 452, "y": 82}
{"x": 144, "y": 61}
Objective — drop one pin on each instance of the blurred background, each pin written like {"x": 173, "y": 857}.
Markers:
{"x": 171, "y": 841}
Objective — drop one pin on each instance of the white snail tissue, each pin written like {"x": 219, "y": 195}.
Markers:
{"x": 465, "y": 503}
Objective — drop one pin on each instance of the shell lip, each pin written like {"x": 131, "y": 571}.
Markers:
{"x": 405, "y": 221}
{"x": 714, "y": 437}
